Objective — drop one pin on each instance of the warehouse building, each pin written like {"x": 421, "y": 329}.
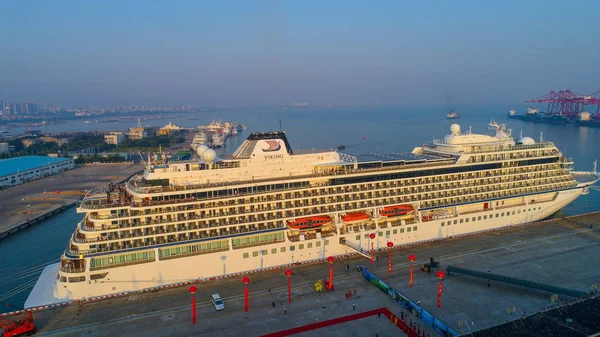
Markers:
{"x": 19, "y": 170}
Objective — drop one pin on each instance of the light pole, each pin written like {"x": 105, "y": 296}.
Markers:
{"x": 193, "y": 290}
{"x": 372, "y": 236}
{"x": 288, "y": 274}
{"x": 245, "y": 280}
{"x": 331, "y": 259}
{"x": 390, "y": 245}
{"x": 440, "y": 274}
{"x": 411, "y": 259}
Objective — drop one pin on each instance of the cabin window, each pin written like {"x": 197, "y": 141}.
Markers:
{"x": 473, "y": 219}
{"x": 273, "y": 250}
{"x": 443, "y": 223}
{"x": 309, "y": 245}
{"x": 479, "y": 217}
{"x": 455, "y": 222}
{"x": 326, "y": 242}
{"x": 461, "y": 220}
{"x": 408, "y": 229}
{"x": 380, "y": 233}
{"x": 366, "y": 236}
{"x": 358, "y": 237}
{"x": 301, "y": 246}
{"x": 387, "y": 233}
{"x": 395, "y": 231}
{"x": 467, "y": 220}
{"x": 282, "y": 250}
{"x": 254, "y": 254}
{"x": 496, "y": 215}
{"x": 246, "y": 255}
{"x": 292, "y": 248}
{"x": 264, "y": 252}
{"x": 318, "y": 244}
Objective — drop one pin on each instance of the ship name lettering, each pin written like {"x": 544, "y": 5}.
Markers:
{"x": 274, "y": 156}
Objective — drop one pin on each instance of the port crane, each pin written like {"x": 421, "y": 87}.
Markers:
{"x": 567, "y": 103}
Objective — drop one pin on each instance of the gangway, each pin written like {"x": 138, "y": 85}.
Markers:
{"x": 517, "y": 281}
{"x": 355, "y": 247}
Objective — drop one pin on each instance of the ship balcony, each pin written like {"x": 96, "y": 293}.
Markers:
{"x": 234, "y": 203}
{"x": 256, "y": 216}
{"x": 72, "y": 265}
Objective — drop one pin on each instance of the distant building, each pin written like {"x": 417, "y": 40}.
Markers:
{"x": 32, "y": 132}
{"x": 16, "y": 171}
{"x": 4, "y": 148}
{"x": 167, "y": 129}
{"x": 137, "y": 133}
{"x": 82, "y": 152}
{"x": 59, "y": 141}
{"x": 114, "y": 138}
{"x": 27, "y": 142}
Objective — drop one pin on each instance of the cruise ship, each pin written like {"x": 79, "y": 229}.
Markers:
{"x": 267, "y": 205}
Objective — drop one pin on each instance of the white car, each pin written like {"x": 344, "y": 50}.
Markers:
{"x": 217, "y": 302}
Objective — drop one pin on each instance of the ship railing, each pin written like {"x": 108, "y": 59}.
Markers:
{"x": 232, "y": 221}
{"x": 66, "y": 269}
{"x": 485, "y": 149}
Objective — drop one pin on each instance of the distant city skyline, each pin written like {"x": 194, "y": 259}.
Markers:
{"x": 274, "y": 53}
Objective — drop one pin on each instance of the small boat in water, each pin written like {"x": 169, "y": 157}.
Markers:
{"x": 396, "y": 210}
{"x": 341, "y": 147}
{"x": 452, "y": 115}
{"x": 355, "y": 216}
{"x": 309, "y": 222}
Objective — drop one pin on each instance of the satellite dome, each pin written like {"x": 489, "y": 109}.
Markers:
{"x": 200, "y": 150}
{"x": 209, "y": 155}
{"x": 526, "y": 141}
{"x": 455, "y": 129}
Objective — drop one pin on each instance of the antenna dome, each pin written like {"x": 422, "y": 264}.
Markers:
{"x": 201, "y": 149}
{"x": 209, "y": 155}
{"x": 455, "y": 129}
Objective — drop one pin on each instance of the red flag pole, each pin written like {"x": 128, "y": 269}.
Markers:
{"x": 192, "y": 291}
{"x": 410, "y": 279}
{"x": 330, "y": 259}
{"x": 372, "y": 236}
{"x": 194, "y": 310}
{"x": 390, "y": 245}
{"x": 289, "y": 290}
{"x": 245, "y": 280}
{"x": 440, "y": 274}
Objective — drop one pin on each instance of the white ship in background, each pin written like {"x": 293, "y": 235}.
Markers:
{"x": 268, "y": 205}
{"x": 199, "y": 139}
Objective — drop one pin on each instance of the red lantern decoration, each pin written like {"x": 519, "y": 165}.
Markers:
{"x": 390, "y": 245}
{"x": 412, "y": 259}
{"x": 440, "y": 274}
{"x": 193, "y": 290}
{"x": 331, "y": 259}
{"x": 245, "y": 280}
{"x": 288, "y": 274}
{"x": 372, "y": 236}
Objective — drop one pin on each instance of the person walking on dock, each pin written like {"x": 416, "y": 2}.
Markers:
{"x": 285, "y": 311}
{"x": 353, "y": 307}
{"x": 273, "y": 303}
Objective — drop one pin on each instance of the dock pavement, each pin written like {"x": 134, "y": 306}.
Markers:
{"x": 561, "y": 252}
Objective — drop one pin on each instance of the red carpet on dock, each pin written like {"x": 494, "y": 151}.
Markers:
{"x": 384, "y": 311}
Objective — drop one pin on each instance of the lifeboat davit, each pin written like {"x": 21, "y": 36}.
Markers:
{"x": 396, "y": 210}
{"x": 355, "y": 216}
{"x": 309, "y": 222}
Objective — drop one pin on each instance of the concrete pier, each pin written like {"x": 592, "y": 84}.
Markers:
{"x": 561, "y": 252}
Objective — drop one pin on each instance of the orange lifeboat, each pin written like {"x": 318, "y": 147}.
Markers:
{"x": 355, "y": 216}
{"x": 396, "y": 210}
{"x": 309, "y": 222}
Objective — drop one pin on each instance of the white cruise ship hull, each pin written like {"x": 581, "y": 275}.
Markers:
{"x": 207, "y": 266}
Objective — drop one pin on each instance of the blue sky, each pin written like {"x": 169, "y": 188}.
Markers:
{"x": 277, "y": 52}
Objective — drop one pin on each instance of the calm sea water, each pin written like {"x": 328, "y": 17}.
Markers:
{"x": 362, "y": 130}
